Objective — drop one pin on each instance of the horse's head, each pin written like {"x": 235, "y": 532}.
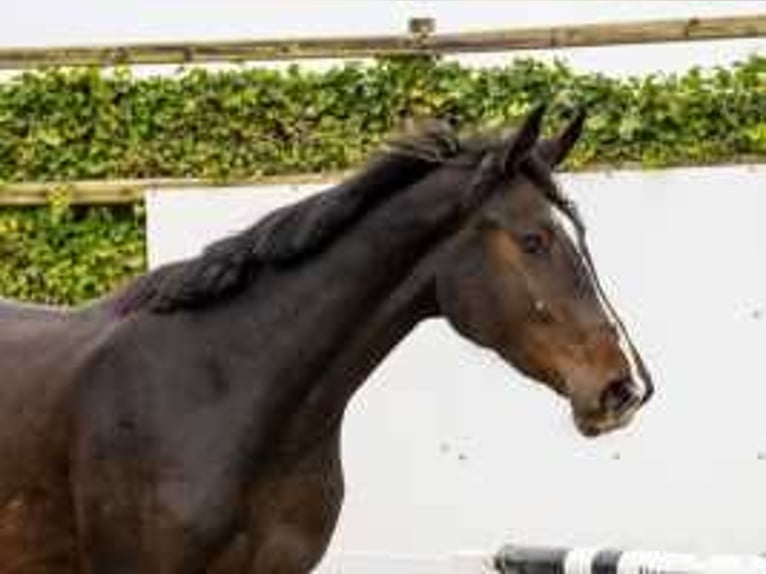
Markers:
{"x": 518, "y": 278}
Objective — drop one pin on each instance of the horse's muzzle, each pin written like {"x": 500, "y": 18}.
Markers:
{"x": 616, "y": 407}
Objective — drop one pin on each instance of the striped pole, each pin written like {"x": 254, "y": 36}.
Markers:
{"x": 536, "y": 560}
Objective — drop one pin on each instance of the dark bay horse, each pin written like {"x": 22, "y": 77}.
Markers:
{"x": 190, "y": 423}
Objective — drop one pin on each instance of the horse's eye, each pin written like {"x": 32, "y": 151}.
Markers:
{"x": 534, "y": 243}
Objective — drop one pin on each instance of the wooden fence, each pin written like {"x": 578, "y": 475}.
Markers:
{"x": 421, "y": 38}
{"x": 117, "y": 191}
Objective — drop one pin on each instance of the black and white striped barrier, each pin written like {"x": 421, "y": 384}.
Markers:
{"x": 533, "y": 560}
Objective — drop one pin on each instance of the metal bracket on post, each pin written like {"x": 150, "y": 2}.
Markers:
{"x": 420, "y": 29}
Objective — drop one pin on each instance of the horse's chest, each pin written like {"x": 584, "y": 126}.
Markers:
{"x": 291, "y": 518}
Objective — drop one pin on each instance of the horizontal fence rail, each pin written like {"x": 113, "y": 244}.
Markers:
{"x": 120, "y": 191}
{"x": 421, "y": 39}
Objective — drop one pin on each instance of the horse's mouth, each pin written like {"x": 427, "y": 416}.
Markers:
{"x": 592, "y": 424}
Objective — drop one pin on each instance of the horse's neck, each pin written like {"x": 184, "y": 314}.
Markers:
{"x": 366, "y": 295}
{"x": 396, "y": 316}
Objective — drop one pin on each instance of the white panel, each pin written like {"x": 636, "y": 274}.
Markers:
{"x": 179, "y": 223}
{"x": 447, "y": 449}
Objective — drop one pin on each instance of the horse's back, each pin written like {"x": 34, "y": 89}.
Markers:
{"x": 39, "y": 351}
{"x": 38, "y": 354}
{"x": 38, "y": 347}
{"x": 42, "y": 340}
{"x": 10, "y": 309}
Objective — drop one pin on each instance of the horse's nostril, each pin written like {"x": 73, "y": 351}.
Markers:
{"x": 620, "y": 395}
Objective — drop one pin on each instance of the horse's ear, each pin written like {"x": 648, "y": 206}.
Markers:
{"x": 520, "y": 143}
{"x": 511, "y": 153}
{"x": 555, "y": 150}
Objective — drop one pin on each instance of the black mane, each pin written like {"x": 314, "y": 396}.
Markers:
{"x": 290, "y": 233}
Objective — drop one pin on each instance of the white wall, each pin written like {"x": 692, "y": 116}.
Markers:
{"x": 446, "y": 449}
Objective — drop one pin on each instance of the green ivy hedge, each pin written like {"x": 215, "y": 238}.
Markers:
{"x": 85, "y": 124}
{"x": 66, "y": 254}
